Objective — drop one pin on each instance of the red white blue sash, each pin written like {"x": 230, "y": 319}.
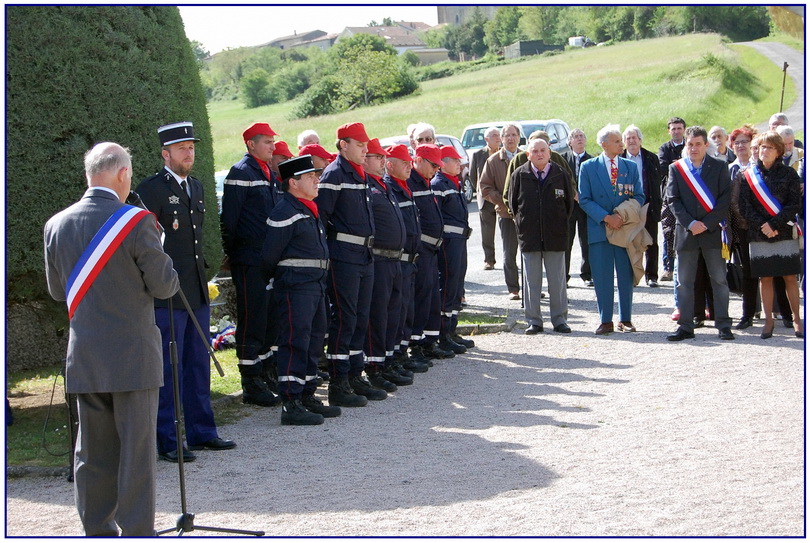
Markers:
{"x": 696, "y": 185}
{"x": 98, "y": 253}
{"x": 760, "y": 190}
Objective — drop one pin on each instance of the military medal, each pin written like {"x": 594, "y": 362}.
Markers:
{"x": 175, "y": 224}
{"x": 174, "y": 200}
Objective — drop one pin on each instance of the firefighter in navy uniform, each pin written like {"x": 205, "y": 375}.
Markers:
{"x": 398, "y": 167}
{"x": 344, "y": 204}
{"x": 176, "y": 199}
{"x": 453, "y": 251}
{"x": 249, "y": 195}
{"x": 296, "y": 259}
{"x": 426, "y": 320}
{"x": 389, "y": 240}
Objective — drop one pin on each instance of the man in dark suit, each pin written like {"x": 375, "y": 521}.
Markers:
{"x": 176, "y": 199}
{"x": 578, "y": 220}
{"x": 668, "y": 153}
{"x": 114, "y": 353}
{"x": 605, "y": 182}
{"x": 486, "y": 209}
{"x": 699, "y": 194}
{"x": 651, "y": 181}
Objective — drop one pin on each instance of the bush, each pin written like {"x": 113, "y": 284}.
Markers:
{"x": 321, "y": 99}
{"x": 75, "y": 76}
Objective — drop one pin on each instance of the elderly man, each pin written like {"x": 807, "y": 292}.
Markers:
{"x": 491, "y": 188}
{"x": 719, "y": 137}
{"x": 344, "y": 204}
{"x": 486, "y": 209}
{"x": 176, "y": 198}
{"x": 578, "y": 221}
{"x": 307, "y": 137}
{"x": 793, "y": 155}
{"x": 541, "y": 200}
{"x": 421, "y": 134}
{"x": 780, "y": 119}
{"x": 250, "y": 193}
{"x": 650, "y": 175}
{"x": 114, "y": 358}
{"x": 668, "y": 153}
{"x": 605, "y": 182}
{"x": 699, "y": 193}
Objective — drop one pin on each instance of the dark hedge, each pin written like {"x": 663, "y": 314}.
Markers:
{"x": 78, "y": 75}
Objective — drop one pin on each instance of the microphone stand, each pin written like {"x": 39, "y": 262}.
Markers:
{"x": 185, "y": 522}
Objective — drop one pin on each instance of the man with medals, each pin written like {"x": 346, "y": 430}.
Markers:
{"x": 699, "y": 194}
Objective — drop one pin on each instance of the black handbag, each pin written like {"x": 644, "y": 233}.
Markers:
{"x": 734, "y": 272}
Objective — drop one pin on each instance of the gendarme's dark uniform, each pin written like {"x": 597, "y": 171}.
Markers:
{"x": 181, "y": 217}
{"x": 389, "y": 241}
{"x": 453, "y": 251}
{"x": 296, "y": 257}
{"x": 413, "y": 242}
{"x": 249, "y": 196}
{"x": 344, "y": 203}
{"x": 426, "y": 320}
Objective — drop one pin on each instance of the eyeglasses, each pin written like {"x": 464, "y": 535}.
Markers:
{"x": 432, "y": 164}
{"x": 741, "y": 142}
{"x": 767, "y": 148}
{"x": 428, "y": 139}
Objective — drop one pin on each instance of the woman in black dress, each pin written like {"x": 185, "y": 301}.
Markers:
{"x": 770, "y": 198}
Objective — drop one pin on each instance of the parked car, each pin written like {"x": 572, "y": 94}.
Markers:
{"x": 473, "y": 136}
{"x": 219, "y": 183}
{"x": 557, "y": 132}
{"x": 441, "y": 141}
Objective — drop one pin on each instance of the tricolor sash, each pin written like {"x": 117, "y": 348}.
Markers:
{"x": 98, "y": 253}
{"x": 760, "y": 190}
{"x": 696, "y": 185}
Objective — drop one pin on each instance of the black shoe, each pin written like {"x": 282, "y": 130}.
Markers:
{"x": 397, "y": 367}
{"x": 433, "y": 350}
{"x": 215, "y": 444}
{"x": 766, "y": 334}
{"x": 744, "y": 323}
{"x": 323, "y": 376}
{"x": 698, "y": 323}
{"x": 448, "y": 344}
{"x": 362, "y": 387}
{"x": 341, "y": 394}
{"x": 418, "y": 355}
{"x": 293, "y": 413}
{"x": 589, "y": 282}
{"x": 680, "y": 334}
{"x": 314, "y": 405}
{"x": 533, "y": 329}
{"x": 462, "y": 341}
{"x": 378, "y": 380}
{"x": 171, "y": 456}
{"x": 562, "y": 328}
{"x": 725, "y": 333}
{"x": 652, "y": 283}
{"x": 270, "y": 374}
{"x": 414, "y": 366}
{"x": 391, "y": 374}
{"x": 256, "y": 392}
{"x": 787, "y": 322}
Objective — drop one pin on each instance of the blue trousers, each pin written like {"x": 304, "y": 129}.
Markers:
{"x": 426, "y": 295}
{"x": 403, "y": 336}
{"x": 452, "y": 269}
{"x": 385, "y": 312}
{"x": 256, "y": 324}
{"x": 194, "y": 376}
{"x": 604, "y": 258}
{"x": 350, "y": 289}
{"x": 302, "y": 316}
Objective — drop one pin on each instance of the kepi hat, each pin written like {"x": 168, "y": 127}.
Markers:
{"x": 176, "y": 132}
{"x": 296, "y": 166}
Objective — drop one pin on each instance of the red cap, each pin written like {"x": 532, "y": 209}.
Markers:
{"x": 316, "y": 150}
{"x": 430, "y": 152}
{"x": 257, "y": 129}
{"x": 282, "y": 150}
{"x": 355, "y": 131}
{"x": 374, "y": 148}
{"x": 400, "y": 152}
{"x": 448, "y": 151}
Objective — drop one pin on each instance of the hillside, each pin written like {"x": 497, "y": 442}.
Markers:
{"x": 697, "y": 77}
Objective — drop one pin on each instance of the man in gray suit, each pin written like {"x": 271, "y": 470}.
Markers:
{"x": 105, "y": 260}
{"x": 699, "y": 194}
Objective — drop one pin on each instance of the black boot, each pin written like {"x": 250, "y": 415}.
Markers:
{"x": 314, "y": 405}
{"x": 270, "y": 374}
{"x": 254, "y": 390}
{"x": 295, "y": 414}
{"x": 446, "y": 343}
{"x": 432, "y": 350}
{"x": 397, "y": 361}
{"x": 378, "y": 380}
{"x": 340, "y": 393}
{"x": 361, "y": 386}
{"x": 418, "y": 355}
{"x": 461, "y": 341}
{"x": 390, "y": 373}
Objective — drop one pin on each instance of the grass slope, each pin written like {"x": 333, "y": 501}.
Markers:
{"x": 696, "y": 77}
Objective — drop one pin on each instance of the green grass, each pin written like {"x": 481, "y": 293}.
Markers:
{"x": 696, "y": 77}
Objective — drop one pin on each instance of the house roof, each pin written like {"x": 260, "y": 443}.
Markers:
{"x": 394, "y": 35}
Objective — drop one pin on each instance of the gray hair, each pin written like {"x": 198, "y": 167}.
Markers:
{"x": 306, "y": 134}
{"x": 491, "y": 130}
{"x": 507, "y": 126}
{"x": 420, "y": 127}
{"x": 720, "y": 128}
{"x": 632, "y": 128}
{"x": 781, "y": 117}
{"x": 785, "y": 130}
{"x": 574, "y": 133}
{"x": 106, "y": 157}
{"x": 605, "y": 131}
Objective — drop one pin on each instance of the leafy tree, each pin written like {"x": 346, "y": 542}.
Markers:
{"x": 365, "y": 75}
{"x": 320, "y": 99}
{"x": 504, "y": 28}
{"x": 254, "y": 86}
{"x": 347, "y": 46}
{"x": 200, "y": 52}
{"x": 410, "y": 58}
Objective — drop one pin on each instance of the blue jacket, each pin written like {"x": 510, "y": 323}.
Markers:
{"x": 430, "y": 216}
{"x": 389, "y": 226}
{"x": 453, "y": 206}
{"x": 410, "y": 216}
